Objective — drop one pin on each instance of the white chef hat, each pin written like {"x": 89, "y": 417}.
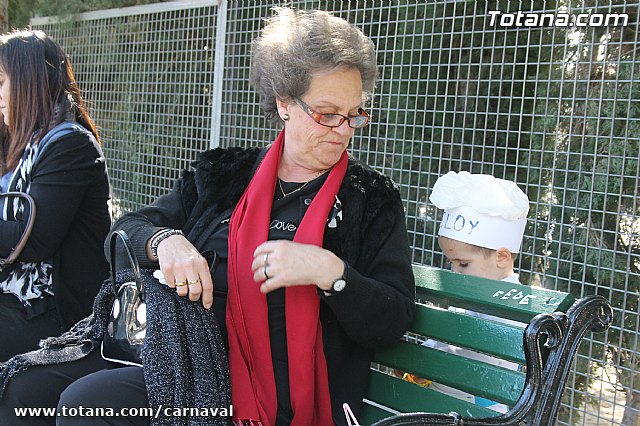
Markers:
{"x": 481, "y": 210}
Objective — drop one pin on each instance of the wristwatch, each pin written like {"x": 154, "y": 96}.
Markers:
{"x": 339, "y": 283}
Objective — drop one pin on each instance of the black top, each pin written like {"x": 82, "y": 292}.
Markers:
{"x": 70, "y": 188}
{"x": 286, "y": 215}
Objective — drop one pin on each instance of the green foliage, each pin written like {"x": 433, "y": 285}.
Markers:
{"x": 70, "y": 7}
{"x": 555, "y": 110}
{"x": 585, "y": 151}
{"x": 21, "y": 11}
{"x": 560, "y": 119}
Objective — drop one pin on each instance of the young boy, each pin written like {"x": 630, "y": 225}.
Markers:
{"x": 480, "y": 233}
{"x": 482, "y": 223}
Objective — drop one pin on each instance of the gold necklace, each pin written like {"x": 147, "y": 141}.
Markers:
{"x": 284, "y": 194}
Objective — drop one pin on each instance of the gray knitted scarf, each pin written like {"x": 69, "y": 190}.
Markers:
{"x": 184, "y": 358}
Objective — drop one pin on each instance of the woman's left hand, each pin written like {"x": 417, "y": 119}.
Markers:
{"x": 283, "y": 263}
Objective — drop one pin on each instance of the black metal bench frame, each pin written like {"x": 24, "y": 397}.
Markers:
{"x": 550, "y": 344}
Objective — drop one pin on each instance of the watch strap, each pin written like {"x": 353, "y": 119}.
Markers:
{"x": 342, "y": 280}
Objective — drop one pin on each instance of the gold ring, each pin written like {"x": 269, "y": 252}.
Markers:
{"x": 196, "y": 281}
{"x": 181, "y": 283}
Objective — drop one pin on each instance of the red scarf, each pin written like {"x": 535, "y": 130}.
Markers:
{"x": 253, "y": 388}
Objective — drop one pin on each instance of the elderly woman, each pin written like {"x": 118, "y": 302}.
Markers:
{"x": 314, "y": 266}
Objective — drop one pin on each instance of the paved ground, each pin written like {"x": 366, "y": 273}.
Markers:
{"x": 612, "y": 401}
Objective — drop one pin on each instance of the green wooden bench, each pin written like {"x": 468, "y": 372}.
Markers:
{"x": 555, "y": 323}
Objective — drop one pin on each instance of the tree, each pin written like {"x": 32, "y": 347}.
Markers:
{"x": 4, "y": 16}
{"x": 21, "y": 11}
{"x": 586, "y": 151}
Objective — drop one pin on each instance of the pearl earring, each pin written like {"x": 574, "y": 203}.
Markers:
{"x": 285, "y": 117}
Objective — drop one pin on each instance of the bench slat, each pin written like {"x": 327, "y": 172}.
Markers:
{"x": 403, "y": 396}
{"x": 514, "y": 301}
{"x": 372, "y": 414}
{"x": 468, "y": 375}
{"x": 462, "y": 330}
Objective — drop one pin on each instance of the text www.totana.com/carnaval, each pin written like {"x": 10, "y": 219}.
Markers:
{"x": 155, "y": 412}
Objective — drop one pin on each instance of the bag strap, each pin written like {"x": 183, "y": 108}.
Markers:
{"x": 351, "y": 418}
{"x": 60, "y": 130}
{"x": 15, "y": 252}
{"x": 133, "y": 260}
{"x": 261, "y": 154}
{"x": 57, "y": 132}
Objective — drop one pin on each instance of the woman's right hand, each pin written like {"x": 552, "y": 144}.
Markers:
{"x": 185, "y": 269}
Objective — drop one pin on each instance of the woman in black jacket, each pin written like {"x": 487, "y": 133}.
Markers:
{"x": 49, "y": 149}
{"x": 314, "y": 265}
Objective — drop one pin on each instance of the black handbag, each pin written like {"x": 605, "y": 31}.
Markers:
{"x": 127, "y": 325}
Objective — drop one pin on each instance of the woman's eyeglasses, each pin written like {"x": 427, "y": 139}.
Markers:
{"x": 335, "y": 120}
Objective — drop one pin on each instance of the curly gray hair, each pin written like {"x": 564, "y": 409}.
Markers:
{"x": 296, "y": 44}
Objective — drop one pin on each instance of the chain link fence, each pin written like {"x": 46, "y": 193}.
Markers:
{"x": 544, "y": 93}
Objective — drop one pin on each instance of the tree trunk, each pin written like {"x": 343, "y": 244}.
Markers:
{"x": 632, "y": 409}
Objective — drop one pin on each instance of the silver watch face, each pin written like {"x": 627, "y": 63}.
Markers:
{"x": 339, "y": 285}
